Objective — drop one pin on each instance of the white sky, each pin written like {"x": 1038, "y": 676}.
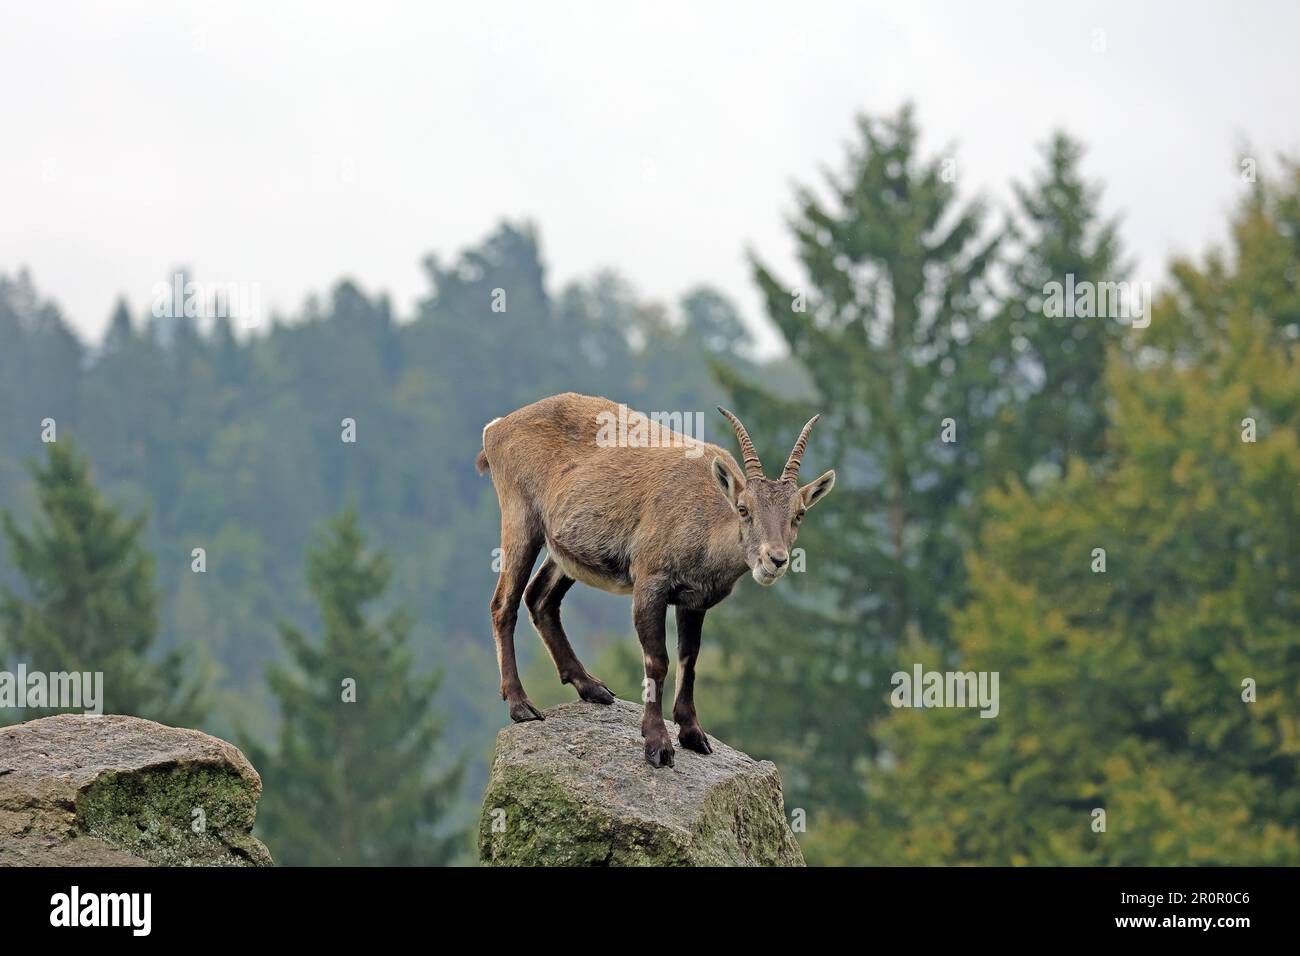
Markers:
{"x": 295, "y": 144}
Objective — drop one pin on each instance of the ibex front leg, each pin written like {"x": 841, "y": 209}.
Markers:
{"x": 649, "y": 605}
{"x": 691, "y": 736}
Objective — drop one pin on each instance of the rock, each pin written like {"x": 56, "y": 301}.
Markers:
{"x": 575, "y": 790}
{"x": 80, "y": 790}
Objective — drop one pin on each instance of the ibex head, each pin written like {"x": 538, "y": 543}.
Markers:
{"x": 769, "y": 511}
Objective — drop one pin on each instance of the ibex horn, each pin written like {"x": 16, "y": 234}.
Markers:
{"x": 791, "y": 472}
{"x": 753, "y": 467}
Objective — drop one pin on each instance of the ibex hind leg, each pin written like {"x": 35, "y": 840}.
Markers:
{"x": 520, "y": 545}
{"x": 545, "y": 592}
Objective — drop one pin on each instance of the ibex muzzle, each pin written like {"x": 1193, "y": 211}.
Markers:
{"x": 645, "y": 519}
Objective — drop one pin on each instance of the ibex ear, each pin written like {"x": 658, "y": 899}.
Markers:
{"x": 727, "y": 482}
{"x": 815, "y": 491}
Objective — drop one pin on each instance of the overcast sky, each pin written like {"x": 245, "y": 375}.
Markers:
{"x": 295, "y": 144}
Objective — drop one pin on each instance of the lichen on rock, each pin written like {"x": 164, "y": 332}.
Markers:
{"x": 121, "y": 791}
{"x": 575, "y": 790}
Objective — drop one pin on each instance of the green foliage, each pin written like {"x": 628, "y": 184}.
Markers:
{"x": 89, "y": 602}
{"x": 1127, "y": 690}
{"x": 896, "y": 268}
{"x": 1052, "y": 401}
{"x": 354, "y": 779}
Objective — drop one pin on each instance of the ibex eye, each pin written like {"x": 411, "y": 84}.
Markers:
{"x": 743, "y": 511}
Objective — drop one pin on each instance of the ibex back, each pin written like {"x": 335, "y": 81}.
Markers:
{"x": 651, "y": 517}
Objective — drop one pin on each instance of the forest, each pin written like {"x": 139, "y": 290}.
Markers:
{"x": 1104, "y": 511}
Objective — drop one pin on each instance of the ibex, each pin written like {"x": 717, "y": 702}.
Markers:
{"x": 661, "y": 521}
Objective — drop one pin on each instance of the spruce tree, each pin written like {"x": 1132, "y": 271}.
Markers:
{"x": 1053, "y": 400}
{"x": 90, "y": 603}
{"x": 895, "y": 271}
{"x": 352, "y": 780}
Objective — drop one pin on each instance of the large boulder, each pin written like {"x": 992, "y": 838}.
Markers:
{"x": 82, "y": 790}
{"x": 575, "y": 790}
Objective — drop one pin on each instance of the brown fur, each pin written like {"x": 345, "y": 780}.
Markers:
{"x": 669, "y": 525}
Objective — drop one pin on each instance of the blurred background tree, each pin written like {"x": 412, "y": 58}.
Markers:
{"x": 354, "y": 779}
{"x": 88, "y": 602}
{"x": 1052, "y": 403}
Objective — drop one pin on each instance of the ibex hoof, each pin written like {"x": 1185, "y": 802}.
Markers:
{"x": 692, "y": 738}
{"x": 594, "y": 692}
{"x": 659, "y": 754}
{"x": 523, "y": 709}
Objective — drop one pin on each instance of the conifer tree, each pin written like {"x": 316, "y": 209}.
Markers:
{"x": 1053, "y": 399}
{"x": 89, "y": 601}
{"x": 352, "y": 779}
{"x": 895, "y": 270}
